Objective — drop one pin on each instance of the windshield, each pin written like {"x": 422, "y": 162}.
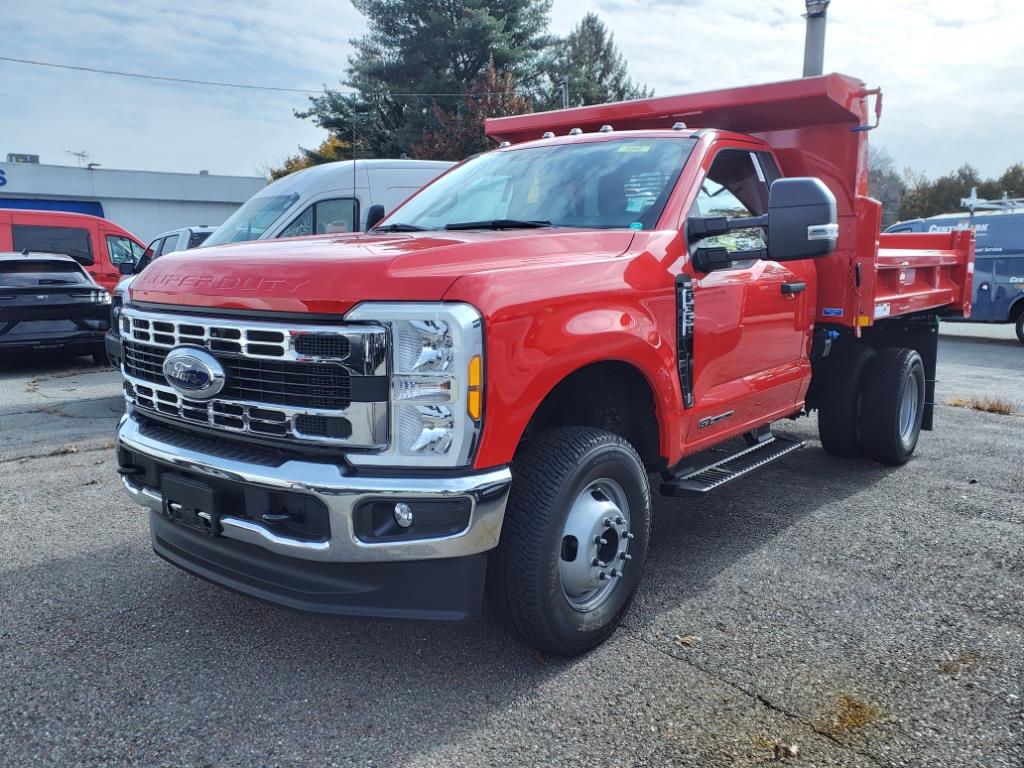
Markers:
{"x": 622, "y": 183}
{"x": 252, "y": 219}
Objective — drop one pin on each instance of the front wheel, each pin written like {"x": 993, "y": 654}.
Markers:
{"x": 574, "y": 540}
{"x": 893, "y": 406}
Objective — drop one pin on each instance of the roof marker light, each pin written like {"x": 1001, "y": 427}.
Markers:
{"x": 605, "y": 129}
{"x": 504, "y": 144}
{"x": 680, "y": 126}
{"x": 575, "y": 131}
{"x": 548, "y": 135}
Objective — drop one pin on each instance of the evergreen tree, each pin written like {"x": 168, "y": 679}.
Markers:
{"x": 461, "y": 134}
{"x": 417, "y": 49}
{"x": 595, "y": 69}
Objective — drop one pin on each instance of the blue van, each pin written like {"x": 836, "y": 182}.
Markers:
{"x": 998, "y": 261}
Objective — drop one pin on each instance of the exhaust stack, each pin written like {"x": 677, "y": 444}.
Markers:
{"x": 814, "y": 42}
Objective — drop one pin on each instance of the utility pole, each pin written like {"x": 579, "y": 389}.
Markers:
{"x": 563, "y": 86}
{"x": 814, "y": 42}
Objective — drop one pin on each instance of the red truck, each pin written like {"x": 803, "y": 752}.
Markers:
{"x": 474, "y": 396}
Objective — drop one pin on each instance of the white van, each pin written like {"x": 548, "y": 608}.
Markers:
{"x": 333, "y": 197}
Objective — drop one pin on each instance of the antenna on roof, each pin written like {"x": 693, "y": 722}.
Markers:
{"x": 82, "y": 156}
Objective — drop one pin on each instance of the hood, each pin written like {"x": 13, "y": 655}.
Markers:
{"x": 330, "y": 274}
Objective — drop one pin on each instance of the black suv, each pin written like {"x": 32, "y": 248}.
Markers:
{"x": 47, "y": 301}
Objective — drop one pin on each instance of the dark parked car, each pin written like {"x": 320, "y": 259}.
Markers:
{"x": 48, "y": 301}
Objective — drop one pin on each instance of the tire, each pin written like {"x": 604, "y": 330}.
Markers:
{"x": 893, "y": 406}
{"x": 1020, "y": 327}
{"x": 99, "y": 357}
{"x": 557, "y": 474}
{"x": 839, "y": 413}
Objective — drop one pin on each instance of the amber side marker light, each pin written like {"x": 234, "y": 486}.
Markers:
{"x": 474, "y": 401}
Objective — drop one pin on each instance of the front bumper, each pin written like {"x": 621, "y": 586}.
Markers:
{"x": 449, "y": 589}
{"x": 341, "y": 572}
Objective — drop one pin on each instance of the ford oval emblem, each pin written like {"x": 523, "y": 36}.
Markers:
{"x": 193, "y": 372}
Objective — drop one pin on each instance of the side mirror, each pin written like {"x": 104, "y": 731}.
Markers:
{"x": 126, "y": 268}
{"x": 373, "y": 217}
{"x": 802, "y": 221}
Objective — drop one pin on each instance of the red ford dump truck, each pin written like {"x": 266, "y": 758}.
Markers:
{"x": 474, "y": 395}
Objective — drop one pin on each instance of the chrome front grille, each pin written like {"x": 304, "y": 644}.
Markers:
{"x": 302, "y": 383}
{"x": 296, "y": 384}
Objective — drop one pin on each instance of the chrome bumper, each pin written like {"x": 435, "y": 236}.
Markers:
{"x": 340, "y": 493}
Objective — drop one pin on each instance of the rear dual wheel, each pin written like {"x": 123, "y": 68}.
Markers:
{"x": 574, "y": 540}
{"x": 893, "y": 406}
{"x": 839, "y": 413}
{"x": 873, "y": 404}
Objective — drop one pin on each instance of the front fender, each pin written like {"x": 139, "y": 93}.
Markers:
{"x": 533, "y": 348}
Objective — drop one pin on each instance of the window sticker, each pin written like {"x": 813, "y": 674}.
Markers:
{"x": 638, "y": 204}
{"x": 533, "y": 196}
{"x": 636, "y": 225}
{"x": 634, "y": 148}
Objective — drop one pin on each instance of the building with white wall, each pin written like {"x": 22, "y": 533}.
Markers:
{"x": 145, "y": 203}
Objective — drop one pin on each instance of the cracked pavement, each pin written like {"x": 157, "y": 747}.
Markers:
{"x": 873, "y": 616}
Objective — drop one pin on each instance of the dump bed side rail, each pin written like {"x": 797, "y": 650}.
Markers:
{"x": 921, "y": 272}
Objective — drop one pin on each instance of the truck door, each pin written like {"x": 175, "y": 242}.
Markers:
{"x": 751, "y": 318}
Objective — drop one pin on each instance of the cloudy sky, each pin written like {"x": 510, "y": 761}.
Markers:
{"x": 951, "y": 72}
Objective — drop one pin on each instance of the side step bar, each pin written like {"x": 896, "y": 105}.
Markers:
{"x": 700, "y": 481}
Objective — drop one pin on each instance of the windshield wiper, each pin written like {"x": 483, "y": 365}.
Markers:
{"x": 499, "y": 224}
{"x": 398, "y": 228}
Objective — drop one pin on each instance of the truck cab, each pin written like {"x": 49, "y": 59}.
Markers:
{"x": 475, "y": 395}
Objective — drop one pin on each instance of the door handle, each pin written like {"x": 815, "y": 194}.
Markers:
{"x": 791, "y": 289}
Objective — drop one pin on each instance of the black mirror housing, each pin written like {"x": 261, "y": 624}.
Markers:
{"x": 802, "y": 219}
{"x": 374, "y": 215}
{"x": 710, "y": 259}
{"x": 126, "y": 268}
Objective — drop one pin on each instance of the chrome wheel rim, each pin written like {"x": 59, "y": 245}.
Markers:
{"x": 594, "y": 545}
{"x": 908, "y": 409}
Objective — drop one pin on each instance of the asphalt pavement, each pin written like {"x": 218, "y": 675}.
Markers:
{"x": 871, "y": 616}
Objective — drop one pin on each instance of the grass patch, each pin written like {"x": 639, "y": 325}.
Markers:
{"x": 986, "y": 403}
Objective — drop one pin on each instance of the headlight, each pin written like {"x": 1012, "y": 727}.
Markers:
{"x": 436, "y": 382}
{"x": 101, "y": 297}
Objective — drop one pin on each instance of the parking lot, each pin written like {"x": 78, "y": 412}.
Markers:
{"x": 870, "y": 615}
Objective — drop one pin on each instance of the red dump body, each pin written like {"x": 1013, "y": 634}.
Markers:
{"x": 815, "y": 126}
